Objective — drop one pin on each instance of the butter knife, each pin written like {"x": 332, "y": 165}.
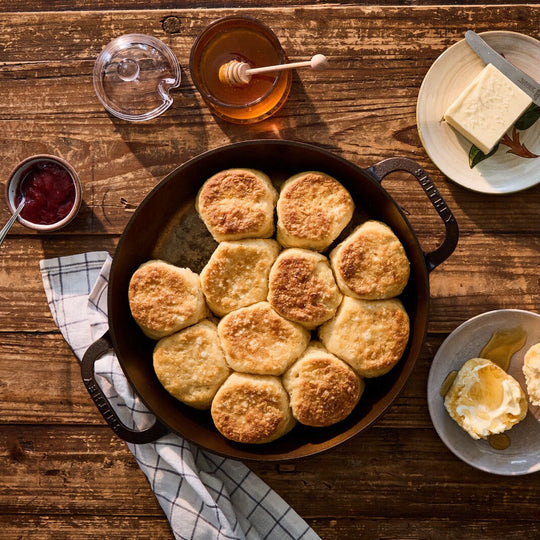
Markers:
{"x": 490, "y": 56}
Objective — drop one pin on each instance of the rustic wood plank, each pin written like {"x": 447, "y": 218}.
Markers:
{"x": 119, "y": 5}
{"x": 142, "y": 528}
{"x": 363, "y": 476}
{"x": 82, "y": 527}
{"x": 24, "y": 304}
{"x": 448, "y": 528}
{"x": 56, "y": 470}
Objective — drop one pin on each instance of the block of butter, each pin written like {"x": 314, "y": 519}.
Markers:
{"x": 485, "y": 110}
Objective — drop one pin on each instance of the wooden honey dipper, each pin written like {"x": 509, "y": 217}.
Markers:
{"x": 237, "y": 73}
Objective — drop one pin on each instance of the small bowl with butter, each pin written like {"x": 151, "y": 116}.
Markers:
{"x": 483, "y": 408}
{"x": 466, "y": 109}
{"x": 52, "y": 191}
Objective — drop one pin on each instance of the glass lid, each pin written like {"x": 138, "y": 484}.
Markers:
{"x": 133, "y": 76}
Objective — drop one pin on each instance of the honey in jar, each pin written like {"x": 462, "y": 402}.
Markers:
{"x": 246, "y": 40}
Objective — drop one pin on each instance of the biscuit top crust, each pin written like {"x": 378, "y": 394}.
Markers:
{"x": 235, "y": 202}
{"x": 250, "y": 408}
{"x": 258, "y": 339}
{"x": 325, "y": 392}
{"x": 161, "y": 294}
{"x": 302, "y": 287}
{"x": 191, "y": 365}
{"x": 310, "y": 205}
{"x": 237, "y": 274}
{"x": 260, "y": 320}
{"x": 370, "y": 335}
{"x": 372, "y": 262}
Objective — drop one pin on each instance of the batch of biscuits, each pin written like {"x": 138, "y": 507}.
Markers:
{"x": 284, "y": 323}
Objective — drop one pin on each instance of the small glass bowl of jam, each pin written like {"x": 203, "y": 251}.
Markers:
{"x": 52, "y": 189}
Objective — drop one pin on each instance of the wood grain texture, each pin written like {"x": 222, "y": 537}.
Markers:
{"x": 120, "y": 5}
{"x": 63, "y": 472}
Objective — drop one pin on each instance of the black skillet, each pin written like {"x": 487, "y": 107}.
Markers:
{"x": 166, "y": 226}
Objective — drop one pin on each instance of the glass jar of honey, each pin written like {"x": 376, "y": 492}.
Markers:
{"x": 243, "y": 39}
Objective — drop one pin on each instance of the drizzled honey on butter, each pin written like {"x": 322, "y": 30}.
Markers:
{"x": 481, "y": 397}
{"x": 485, "y": 400}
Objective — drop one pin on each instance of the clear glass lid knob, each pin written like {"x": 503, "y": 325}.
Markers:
{"x": 133, "y": 76}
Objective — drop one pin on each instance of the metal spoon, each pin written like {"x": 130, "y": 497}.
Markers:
{"x": 11, "y": 221}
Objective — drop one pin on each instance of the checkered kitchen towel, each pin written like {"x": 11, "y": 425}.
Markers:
{"x": 204, "y": 496}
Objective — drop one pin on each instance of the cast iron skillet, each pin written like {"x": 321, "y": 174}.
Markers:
{"x": 166, "y": 226}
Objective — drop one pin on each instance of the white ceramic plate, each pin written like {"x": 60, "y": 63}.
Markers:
{"x": 449, "y": 151}
{"x": 464, "y": 343}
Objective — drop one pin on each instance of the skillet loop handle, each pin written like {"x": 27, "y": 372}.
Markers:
{"x": 94, "y": 353}
{"x": 436, "y": 257}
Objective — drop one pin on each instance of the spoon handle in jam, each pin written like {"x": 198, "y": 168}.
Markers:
{"x": 7, "y": 226}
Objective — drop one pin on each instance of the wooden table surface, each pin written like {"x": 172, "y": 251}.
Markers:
{"x": 63, "y": 473}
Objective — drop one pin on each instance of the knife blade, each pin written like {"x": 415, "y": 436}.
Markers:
{"x": 490, "y": 56}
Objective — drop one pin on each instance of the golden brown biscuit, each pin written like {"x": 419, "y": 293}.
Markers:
{"x": 191, "y": 364}
{"x": 313, "y": 208}
{"x": 258, "y": 340}
{"x": 371, "y": 263}
{"x": 236, "y": 204}
{"x": 531, "y": 370}
{"x": 237, "y": 274}
{"x": 252, "y": 409}
{"x": 165, "y": 298}
{"x": 302, "y": 287}
{"x": 370, "y": 335}
{"x": 322, "y": 388}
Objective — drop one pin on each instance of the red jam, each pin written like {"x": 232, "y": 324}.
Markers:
{"x": 50, "y": 193}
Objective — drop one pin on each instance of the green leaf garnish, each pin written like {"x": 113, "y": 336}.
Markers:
{"x": 529, "y": 117}
{"x": 476, "y": 155}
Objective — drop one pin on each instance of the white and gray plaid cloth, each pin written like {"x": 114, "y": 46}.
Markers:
{"x": 203, "y": 496}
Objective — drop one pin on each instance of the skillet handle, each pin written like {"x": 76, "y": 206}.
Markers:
{"x": 94, "y": 352}
{"x": 439, "y": 255}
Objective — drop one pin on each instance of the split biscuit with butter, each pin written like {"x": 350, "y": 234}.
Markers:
{"x": 370, "y": 335}
{"x": 237, "y": 203}
{"x": 164, "y": 298}
{"x": 312, "y": 210}
{"x": 236, "y": 274}
{"x": 191, "y": 365}
{"x": 302, "y": 287}
{"x": 531, "y": 370}
{"x": 252, "y": 409}
{"x": 371, "y": 263}
{"x": 323, "y": 389}
{"x": 256, "y": 339}
{"x": 485, "y": 400}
